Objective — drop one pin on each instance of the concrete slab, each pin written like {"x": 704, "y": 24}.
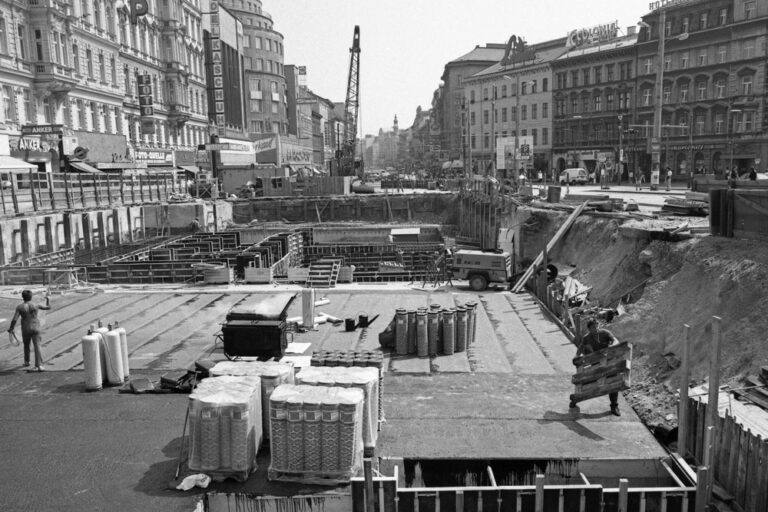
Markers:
{"x": 409, "y": 364}
{"x": 457, "y": 362}
{"x": 478, "y": 416}
{"x": 486, "y": 353}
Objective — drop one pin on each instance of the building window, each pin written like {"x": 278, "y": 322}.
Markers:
{"x": 609, "y": 100}
{"x": 504, "y": 115}
{"x": 598, "y": 104}
{"x": 275, "y": 105}
{"x": 533, "y": 86}
{"x": 722, "y": 53}
{"x": 668, "y": 28}
{"x": 504, "y": 91}
{"x": 39, "y": 44}
{"x": 8, "y": 106}
{"x": 27, "y": 100}
{"x": 94, "y": 117}
{"x": 749, "y": 121}
{"x": 609, "y": 72}
{"x": 684, "y": 60}
{"x": 113, "y": 71}
{"x": 534, "y": 134}
{"x": 719, "y": 123}
{"x": 97, "y": 13}
{"x": 89, "y": 63}
{"x": 102, "y": 69}
{"x": 486, "y": 141}
{"x": 3, "y": 37}
{"x": 667, "y": 62}
{"x": 544, "y": 84}
{"x": 703, "y": 20}
{"x": 683, "y": 93}
{"x": 720, "y": 88}
{"x": 76, "y": 59}
{"x": 574, "y": 106}
{"x": 585, "y": 104}
{"x": 748, "y": 49}
{"x": 585, "y": 76}
{"x": 746, "y": 85}
{"x": 701, "y": 93}
{"x": 647, "y": 97}
{"x": 534, "y": 111}
{"x": 473, "y": 141}
{"x": 598, "y": 71}
{"x": 472, "y": 120}
{"x": 22, "y": 41}
{"x": 667, "y": 93}
{"x": 485, "y": 117}
{"x": 544, "y": 110}
{"x": 256, "y": 106}
{"x": 699, "y": 124}
{"x": 246, "y": 41}
{"x": 485, "y": 93}
{"x": 703, "y": 57}
{"x": 749, "y": 9}
{"x": 545, "y": 136}
{"x": 524, "y": 112}
{"x": 685, "y": 24}
{"x": 574, "y": 78}
{"x": 723, "y": 17}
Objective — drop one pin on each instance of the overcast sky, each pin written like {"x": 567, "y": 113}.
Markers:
{"x": 405, "y": 44}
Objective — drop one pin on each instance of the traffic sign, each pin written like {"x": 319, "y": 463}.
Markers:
{"x": 80, "y": 153}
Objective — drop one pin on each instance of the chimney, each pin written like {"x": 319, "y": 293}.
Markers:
{"x": 631, "y": 31}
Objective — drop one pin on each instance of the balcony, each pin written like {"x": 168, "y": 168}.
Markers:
{"x": 177, "y": 68}
{"x": 53, "y": 76}
{"x": 178, "y": 113}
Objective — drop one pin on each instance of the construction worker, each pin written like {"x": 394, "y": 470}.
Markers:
{"x": 595, "y": 340}
{"x": 30, "y": 326}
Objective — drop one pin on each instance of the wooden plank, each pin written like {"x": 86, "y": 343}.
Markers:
{"x": 594, "y": 373}
{"x": 753, "y": 473}
{"x": 739, "y": 489}
{"x": 762, "y": 479}
{"x": 682, "y": 431}
{"x": 550, "y": 245}
{"x": 733, "y": 454}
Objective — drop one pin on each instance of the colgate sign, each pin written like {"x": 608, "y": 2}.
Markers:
{"x": 592, "y": 35}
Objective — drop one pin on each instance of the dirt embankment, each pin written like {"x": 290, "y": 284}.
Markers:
{"x": 686, "y": 282}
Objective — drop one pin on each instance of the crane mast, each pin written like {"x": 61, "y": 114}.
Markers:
{"x": 348, "y": 166}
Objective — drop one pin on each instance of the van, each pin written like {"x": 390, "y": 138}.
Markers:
{"x": 573, "y": 176}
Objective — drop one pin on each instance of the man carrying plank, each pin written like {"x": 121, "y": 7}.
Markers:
{"x": 594, "y": 341}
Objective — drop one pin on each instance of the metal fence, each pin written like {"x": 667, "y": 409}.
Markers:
{"x": 42, "y": 191}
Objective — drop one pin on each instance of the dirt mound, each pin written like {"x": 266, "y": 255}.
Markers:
{"x": 685, "y": 282}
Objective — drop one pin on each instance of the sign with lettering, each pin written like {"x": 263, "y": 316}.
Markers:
{"x": 592, "y": 35}
{"x": 517, "y": 51}
{"x": 657, "y": 4}
{"x": 146, "y": 102}
{"x": 266, "y": 144}
{"x": 154, "y": 156}
{"x": 41, "y": 129}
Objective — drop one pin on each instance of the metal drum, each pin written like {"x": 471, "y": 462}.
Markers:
{"x": 422, "y": 346}
{"x": 449, "y": 330}
{"x": 401, "y": 331}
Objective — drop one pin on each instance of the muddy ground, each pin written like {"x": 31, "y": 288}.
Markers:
{"x": 678, "y": 280}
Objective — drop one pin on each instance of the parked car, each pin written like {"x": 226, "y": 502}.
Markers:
{"x": 573, "y": 176}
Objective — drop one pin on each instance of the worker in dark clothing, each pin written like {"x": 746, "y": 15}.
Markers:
{"x": 30, "y": 326}
{"x": 596, "y": 340}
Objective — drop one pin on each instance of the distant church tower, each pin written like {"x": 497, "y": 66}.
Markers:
{"x": 395, "y": 127}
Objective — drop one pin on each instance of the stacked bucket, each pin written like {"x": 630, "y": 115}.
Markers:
{"x": 271, "y": 373}
{"x": 358, "y": 358}
{"x": 225, "y": 427}
{"x": 316, "y": 433}
{"x": 435, "y": 330}
{"x": 366, "y": 379}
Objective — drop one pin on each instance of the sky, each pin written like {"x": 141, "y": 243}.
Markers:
{"x": 405, "y": 44}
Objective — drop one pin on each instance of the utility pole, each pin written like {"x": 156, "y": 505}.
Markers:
{"x": 659, "y": 97}
{"x": 621, "y": 146}
{"x": 493, "y": 132}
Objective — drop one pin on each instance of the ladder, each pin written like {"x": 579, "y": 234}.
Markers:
{"x": 324, "y": 273}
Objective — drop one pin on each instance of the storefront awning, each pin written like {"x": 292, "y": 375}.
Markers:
{"x": 84, "y": 167}
{"x": 191, "y": 168}
{"x": 14, "y": 164}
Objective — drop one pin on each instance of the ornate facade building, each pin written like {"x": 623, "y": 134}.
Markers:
{"x": 594, "y": 98}
{"x": 713, "y": 97}
{"x": 77, "y": 63}
{"x": 266, "y": 94}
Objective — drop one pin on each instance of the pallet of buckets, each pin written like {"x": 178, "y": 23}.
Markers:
{"x": 229, "y": 416}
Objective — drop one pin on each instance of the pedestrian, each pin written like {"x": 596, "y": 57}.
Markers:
{"x": 594, "y": 341}
{"x": 642, "y": 176}
{"x": 752, "y": 174}
{"x": 631, "y": 175}
{"x": 603, "y": 177}
{"x": 669, "y": 177}
{"x": 30, "y": 326}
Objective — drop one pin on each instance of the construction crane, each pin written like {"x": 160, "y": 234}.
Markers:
{"x": 348, "y": 165}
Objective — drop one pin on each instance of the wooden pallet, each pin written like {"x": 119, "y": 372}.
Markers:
{"x": 311, "y": 477}
{"x": 601, "y": 373}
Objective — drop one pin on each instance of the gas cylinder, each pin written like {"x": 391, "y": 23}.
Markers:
{"x": 92, "y": 361}
{"x": 124, "y": 346}
{"x": 101, "y": 331}
{"x": 114, "y": 358}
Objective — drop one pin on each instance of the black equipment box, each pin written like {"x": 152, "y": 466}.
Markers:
{"x": 258, "y": 329}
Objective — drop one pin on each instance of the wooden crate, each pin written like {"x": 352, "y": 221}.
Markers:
{"x": 601, "y": 373}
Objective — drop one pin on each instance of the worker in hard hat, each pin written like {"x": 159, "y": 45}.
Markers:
{"x": 30, "y": 326}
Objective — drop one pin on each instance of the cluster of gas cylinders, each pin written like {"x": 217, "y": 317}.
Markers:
{"x": 105, "y": 356}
